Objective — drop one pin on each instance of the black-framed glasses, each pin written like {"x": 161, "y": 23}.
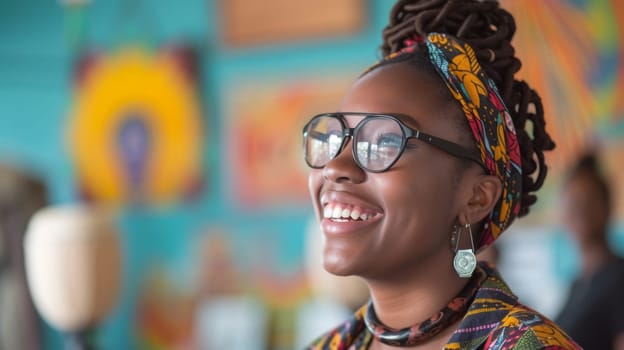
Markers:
{"x": 378, "y": 140}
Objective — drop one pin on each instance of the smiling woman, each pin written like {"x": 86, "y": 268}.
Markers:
{"x": 426, "y": 161}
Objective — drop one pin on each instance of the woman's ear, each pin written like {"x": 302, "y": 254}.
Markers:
{"x": 486, "y": 190}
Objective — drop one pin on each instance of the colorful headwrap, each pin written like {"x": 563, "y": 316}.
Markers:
{"x": 488, "y": 118}
{"x": 490, "y": 122}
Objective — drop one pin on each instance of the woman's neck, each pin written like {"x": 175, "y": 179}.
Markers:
{"x": 410, "y": 298}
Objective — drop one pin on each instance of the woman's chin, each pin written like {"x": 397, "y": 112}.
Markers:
{"x": 340, "y": 265}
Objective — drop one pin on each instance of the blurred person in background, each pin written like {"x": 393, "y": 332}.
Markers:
{"x": 594, "y": 311}
{"x": 426, "y": 162}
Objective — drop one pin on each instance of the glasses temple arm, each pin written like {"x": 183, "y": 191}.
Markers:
{"x": 450, "y": 147}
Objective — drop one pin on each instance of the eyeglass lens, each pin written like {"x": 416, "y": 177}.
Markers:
{"x": 377, "y": 141}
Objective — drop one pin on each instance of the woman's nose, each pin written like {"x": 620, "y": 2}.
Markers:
{"x": 343, "y": 167}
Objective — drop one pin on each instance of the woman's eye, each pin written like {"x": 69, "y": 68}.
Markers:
{"x": 389, "y": 140}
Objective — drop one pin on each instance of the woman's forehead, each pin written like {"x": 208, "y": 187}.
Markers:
{"x": 415, "y": 96}
{"x": 353, "y": 119}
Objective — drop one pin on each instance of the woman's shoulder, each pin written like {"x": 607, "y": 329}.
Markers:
{"x": 497, "y": 316}
{"x": 525, "y": 328}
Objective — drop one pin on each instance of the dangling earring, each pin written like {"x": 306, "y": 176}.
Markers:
{"x": 465, "y": 260}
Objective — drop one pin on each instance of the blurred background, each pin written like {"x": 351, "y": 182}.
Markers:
{"x": 185, "y": 117}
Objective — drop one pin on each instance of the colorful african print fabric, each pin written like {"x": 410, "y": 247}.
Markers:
{"x": 495, "y": 320}
{"x": 489, "y": 120}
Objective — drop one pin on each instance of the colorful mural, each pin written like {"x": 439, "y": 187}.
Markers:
{"x": 224, "y": 294}
{"x": 135, "y": 129}
{"x": 572, "y": 55}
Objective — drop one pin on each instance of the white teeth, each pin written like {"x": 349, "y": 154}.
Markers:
{"x": 345, "y": 211}
{"x": 327, "y": 213}
{"x": 337, "y": 213}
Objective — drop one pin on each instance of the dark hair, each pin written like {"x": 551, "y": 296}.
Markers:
{"x": 588, "y": 165}
{"x": 489, "y": 30}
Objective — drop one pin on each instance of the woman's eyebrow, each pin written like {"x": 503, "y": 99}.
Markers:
{"x": 408, "y": 120}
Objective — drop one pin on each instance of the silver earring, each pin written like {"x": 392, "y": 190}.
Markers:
{"x": 465, "y": 260}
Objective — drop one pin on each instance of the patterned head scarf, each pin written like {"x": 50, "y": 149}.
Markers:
{"x": 488, "y": 118}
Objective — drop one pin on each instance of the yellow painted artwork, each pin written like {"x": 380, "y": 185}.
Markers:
{"x": 135, "y": 131}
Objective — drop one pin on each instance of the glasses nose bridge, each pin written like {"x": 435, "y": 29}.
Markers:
{"x": 348, "y": 132}
{"x": 343, "y": 166}
{"x": 348, "y": 137}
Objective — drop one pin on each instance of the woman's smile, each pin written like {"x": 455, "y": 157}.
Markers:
{"x": 346, "y": 213}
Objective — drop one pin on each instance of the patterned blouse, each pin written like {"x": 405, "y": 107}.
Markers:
{"x": 495, "y": 320}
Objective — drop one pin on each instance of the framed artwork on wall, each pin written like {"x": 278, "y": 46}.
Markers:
{"x": 136, "y": 129}
{"x": 251, "y": 22}
{"x": 264, "y": 136}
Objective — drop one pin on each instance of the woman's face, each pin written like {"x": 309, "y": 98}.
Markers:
{"x": 585, "y": 214}
{"x": 411, "y": 208}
